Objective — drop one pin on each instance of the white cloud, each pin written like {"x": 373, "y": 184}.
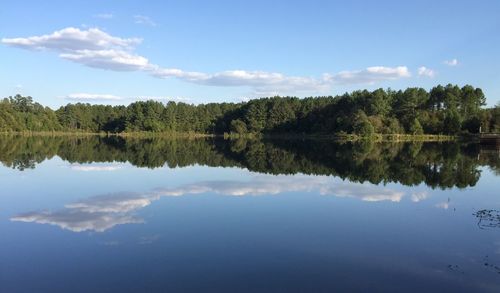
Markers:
{"x": 104, "y": 15}
{"x": 452, "y": 62}
{"x": 72, "y": 39}
{"x": 260, "y": 81}
{"x": 90, "y": 167}
{"x": 98, "y": 49}
{"x": 275, "y": 83}
{"x": 164, "y": 99}
{"x": 369, "y": 75}
{"x": 95, "y": 98}
{"x": 427, "y": 72}
{"x": 115, "y": 60}
{"x": 86, "y": 97}
{"x": 142, "y": 19}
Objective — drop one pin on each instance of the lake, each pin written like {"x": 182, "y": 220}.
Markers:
{"x": 114, "y": 214}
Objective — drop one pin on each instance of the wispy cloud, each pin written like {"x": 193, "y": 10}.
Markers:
{"x": 266, "y": 185}
{"x": 113, "y": 203}
{"x": 142, "y": 19}
{"x": 258, "y": 80}
{"x": 103, "y": 15}
{"x": 419, "y": 196}
{"x": 426, "y": 72}
{"x": 115, "y": 60}
{"x": 98, "y": 49}
{"x": 444, "y": 205}
{"x": 452, "y": 62}
{"x": 78, "y": 222}
{"x": 163, "y": 99}
{"x": 369, "y": 75}
{"x": 92, "y": 167}
{"x": 72, "y": 40}
{"x": 95, "y": 98}
{"x": 363, "y": 192}
{"x": 86, "y": 97}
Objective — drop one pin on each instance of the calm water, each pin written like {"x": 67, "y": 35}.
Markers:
{"x": 114, "y": 215}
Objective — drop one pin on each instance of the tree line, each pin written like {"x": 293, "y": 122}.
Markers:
{"x": 446, "y": 109}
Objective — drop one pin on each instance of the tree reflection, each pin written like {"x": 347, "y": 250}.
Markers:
{"x": 438, "y": 165}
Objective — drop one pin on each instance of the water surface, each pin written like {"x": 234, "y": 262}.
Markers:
{"x": 108, "y": 214}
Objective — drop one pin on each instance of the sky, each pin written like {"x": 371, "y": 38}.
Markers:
{"x": 117, "y": 52}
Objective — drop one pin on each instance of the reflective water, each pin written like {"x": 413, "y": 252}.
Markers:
{"x": 101, "y": 214}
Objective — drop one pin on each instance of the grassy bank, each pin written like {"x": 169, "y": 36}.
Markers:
{"x": 399, "y": 137}
{"x": 104, "y": 134}
{"x": 375, "y": 137}
{"x": 343, "y": 137}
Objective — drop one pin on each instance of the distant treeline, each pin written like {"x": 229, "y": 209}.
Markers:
{"x": 443, "y": 110}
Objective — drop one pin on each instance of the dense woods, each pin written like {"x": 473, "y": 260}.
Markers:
{"x": 446, "y": 109}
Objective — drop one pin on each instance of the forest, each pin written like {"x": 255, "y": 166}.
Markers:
{"x": 450, "y": 110}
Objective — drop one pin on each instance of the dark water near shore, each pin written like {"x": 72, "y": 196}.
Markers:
{"x": 108, "y": 214}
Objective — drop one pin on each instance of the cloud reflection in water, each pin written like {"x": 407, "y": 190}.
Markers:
{"x": 103, "y": 212}
{"x": 94, "y": 167}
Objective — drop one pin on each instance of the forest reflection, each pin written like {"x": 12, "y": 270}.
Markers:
{"x": 438, "y": 165}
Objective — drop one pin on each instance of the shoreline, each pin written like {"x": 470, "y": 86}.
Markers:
{"x": 230, "y": 136}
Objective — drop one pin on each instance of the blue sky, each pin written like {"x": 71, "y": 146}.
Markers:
{"x": 117, "y": 52}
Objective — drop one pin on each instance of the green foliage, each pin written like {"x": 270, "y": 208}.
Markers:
{"x": 238, "y": 126}
{"x": 416, "y": 127}
{"x": 256, "y": 116}
{"x": 362, "y": 125}
{"x": 495, "y": 121}
{"x": 392, "y": 126}
{"x": 445, "y": 109}
{"x": 20, "y": 113}
{"x": 452, "y": 123}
